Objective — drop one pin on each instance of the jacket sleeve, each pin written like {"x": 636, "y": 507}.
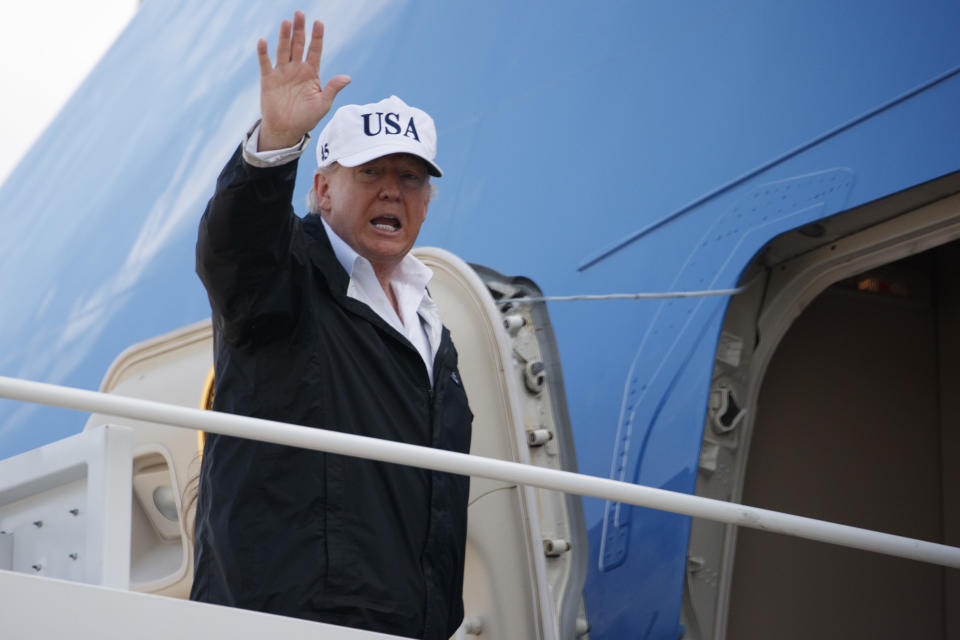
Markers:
{"x": 243, "y": 251}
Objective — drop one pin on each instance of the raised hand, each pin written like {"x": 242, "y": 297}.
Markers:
{"x": 292, "y": 99}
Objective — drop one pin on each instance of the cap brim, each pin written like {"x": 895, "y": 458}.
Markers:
{"x": 379, "y": 151}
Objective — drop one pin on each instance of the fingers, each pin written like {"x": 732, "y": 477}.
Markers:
{"x": 316, "y": 45}
{"x": 296, "y": 50}
{"x": 263, "y": 57}
{"x": 290, "y": 45}
{"x": 283, "y": 43}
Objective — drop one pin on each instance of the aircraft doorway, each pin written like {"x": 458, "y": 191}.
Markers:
{"x": 833, "y": 396}
{"x": 855, "y": 423}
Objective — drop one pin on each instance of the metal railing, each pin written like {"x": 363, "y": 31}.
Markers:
{"x": 464, "y": 464}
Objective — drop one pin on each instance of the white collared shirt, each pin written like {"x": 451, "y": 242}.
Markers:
{"x": 419, "y": 318}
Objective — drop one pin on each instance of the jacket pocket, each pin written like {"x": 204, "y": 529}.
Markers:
{"x": 293, "y": 510}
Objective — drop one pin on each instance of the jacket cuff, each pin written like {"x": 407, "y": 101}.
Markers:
{"x": 276, "y": 157}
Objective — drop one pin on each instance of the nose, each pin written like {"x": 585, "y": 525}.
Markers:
{"x": 390, "y": 187}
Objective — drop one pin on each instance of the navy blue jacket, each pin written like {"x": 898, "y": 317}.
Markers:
{"x": 320, "y": 536}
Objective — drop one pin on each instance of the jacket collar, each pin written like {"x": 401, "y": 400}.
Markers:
{"x": 323, "y": 257}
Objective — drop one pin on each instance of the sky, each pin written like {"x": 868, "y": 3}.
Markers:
{"x": 47, "y": 48}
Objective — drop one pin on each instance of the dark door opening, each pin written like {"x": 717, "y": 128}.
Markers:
{"x": 857, "y": 422}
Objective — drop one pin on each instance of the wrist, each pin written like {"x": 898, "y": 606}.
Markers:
{"x": 270, "y": 140}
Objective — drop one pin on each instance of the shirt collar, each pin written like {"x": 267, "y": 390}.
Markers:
{"x": 346, "y": 256}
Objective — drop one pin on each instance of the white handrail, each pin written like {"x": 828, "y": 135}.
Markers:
{"x": 439, "y": 460}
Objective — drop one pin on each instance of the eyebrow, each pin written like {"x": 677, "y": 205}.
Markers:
{"x": 417, "y": 164}
{"x": 407, "y": 163}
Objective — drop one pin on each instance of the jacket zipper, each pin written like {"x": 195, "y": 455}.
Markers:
{"x": 431, "y": 394}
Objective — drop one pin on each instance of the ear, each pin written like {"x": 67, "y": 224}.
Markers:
{"x": 321, "y": 186}
{"x": 426, "y": 206}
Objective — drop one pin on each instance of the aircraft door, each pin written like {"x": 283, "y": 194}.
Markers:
{"x": 526, "y": 548}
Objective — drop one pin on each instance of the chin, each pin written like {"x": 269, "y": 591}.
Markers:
{"x": 387, "y": 249}
{"x": 383, "y": 255}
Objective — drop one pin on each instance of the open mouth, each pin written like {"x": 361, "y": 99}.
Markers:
{"x": 386, "y": 223}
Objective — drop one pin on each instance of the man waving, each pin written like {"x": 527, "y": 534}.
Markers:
{"x": 326, "y": 321}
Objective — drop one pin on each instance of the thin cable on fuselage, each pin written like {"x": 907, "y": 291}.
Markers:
{"x": 630, "y": 296}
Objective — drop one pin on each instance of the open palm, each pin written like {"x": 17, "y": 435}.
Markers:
{"x": 292, "y": 99}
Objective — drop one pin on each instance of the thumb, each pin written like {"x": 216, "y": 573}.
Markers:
{"x": 334, "y": 85}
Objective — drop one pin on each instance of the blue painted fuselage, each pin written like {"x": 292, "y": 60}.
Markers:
{"x": 594, "y": 148}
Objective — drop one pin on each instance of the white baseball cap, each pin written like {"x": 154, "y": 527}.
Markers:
{"x": 358, "y": 133}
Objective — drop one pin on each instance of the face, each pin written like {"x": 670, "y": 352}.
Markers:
{"x": 377, "y": 208}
